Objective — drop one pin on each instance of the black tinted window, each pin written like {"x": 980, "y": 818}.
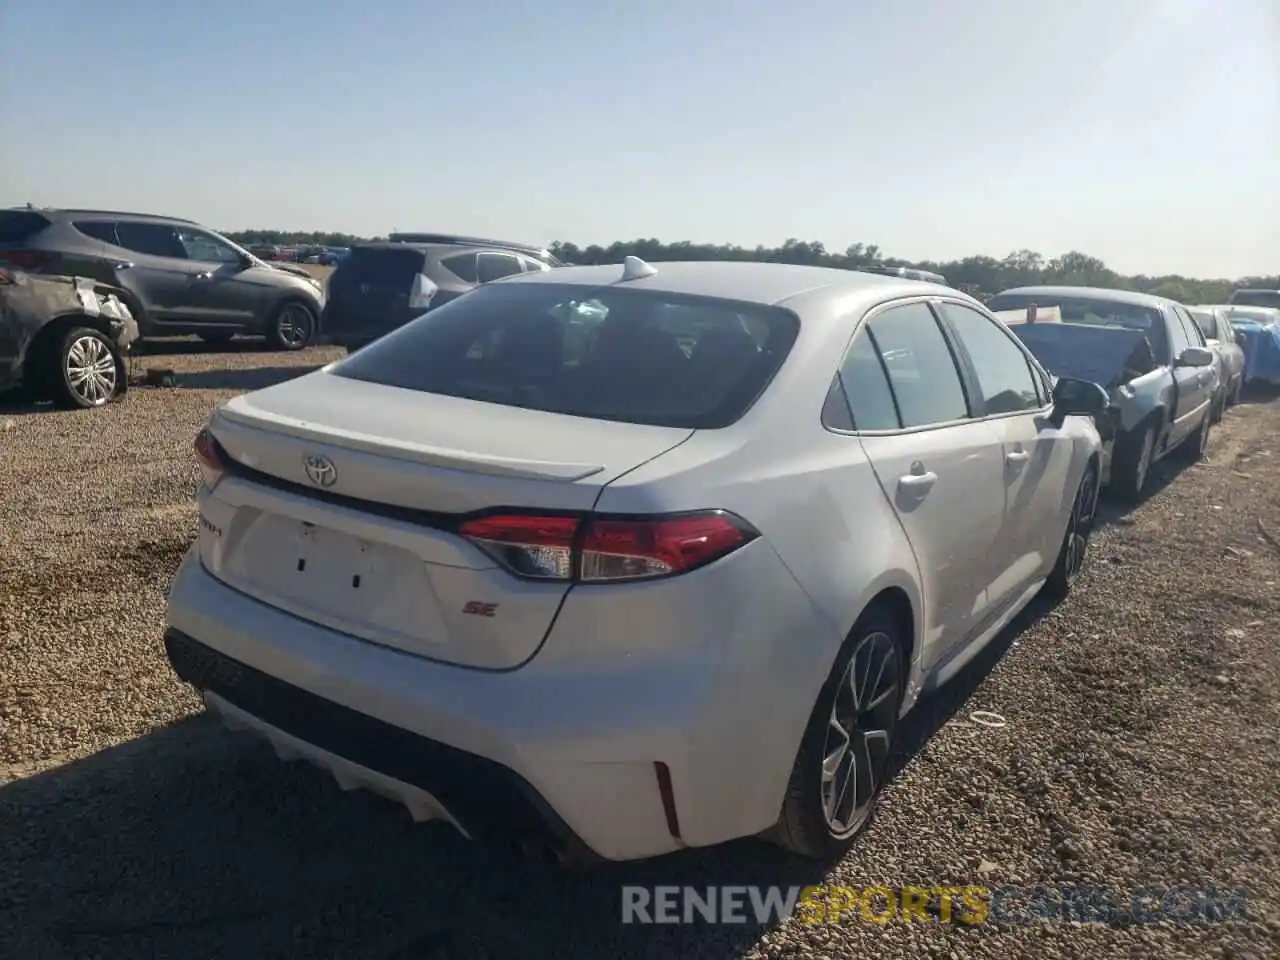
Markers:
{"x": 925, "y": 380}
{"x": 386, "y": 267}
{"x": 19, "y": 225}
{"x": 1256, "y": 298}
{"x": 104, "y": 230}
{"x": 462, "y": 266}
{"x": 495, "y": 266}
{"x": 865, "y": 384}
{"x": 1004, "y": 375}
{"x": 609, "y": 354}
{"x": 154, "y": 239}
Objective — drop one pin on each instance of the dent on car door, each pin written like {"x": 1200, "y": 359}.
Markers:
{"x": 938, "y": 468}
{"x": 1039, "y": 479}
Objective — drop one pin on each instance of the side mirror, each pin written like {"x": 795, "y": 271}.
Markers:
{"x": 1079, "y": 398}
{"x": 1195, "y": 357}
{"x": 1241, "y": 339}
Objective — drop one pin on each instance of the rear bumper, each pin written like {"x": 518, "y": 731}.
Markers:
{"x": 346, "y": 326}
{"x": 492, "y": 802}
{"x": 563, "y": 752}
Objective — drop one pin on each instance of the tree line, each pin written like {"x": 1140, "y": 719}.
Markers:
{"x": 979, "y": 275}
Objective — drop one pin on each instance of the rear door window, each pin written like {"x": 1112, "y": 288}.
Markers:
{"x": 919, "y": 364}
{"x": 104, "y": 230}
{"x": 153, "y": 239}
{"x": 495, "y": 266}
{"x": 608, "y": 353}
{"x": 462, "y": 266}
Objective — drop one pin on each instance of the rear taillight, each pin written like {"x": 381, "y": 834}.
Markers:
{"x": 30, "y": 260}
{"x": 598, "y": 549}
{"x": 209, "y": 454}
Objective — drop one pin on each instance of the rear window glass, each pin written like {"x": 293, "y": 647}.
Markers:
{"x": 1095, "y": 313}
{"x": 1256, "y": 298}
{"x": 19, "y": 225}
{"x": 381, "y": 266}
{"x": 608, "y": 354}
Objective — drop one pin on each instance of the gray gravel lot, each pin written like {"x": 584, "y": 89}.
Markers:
{"x": 1140, "y": 745}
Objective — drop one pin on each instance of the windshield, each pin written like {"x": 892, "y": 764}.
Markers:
{"x": 1256, "y": 298}
{"x": 1094, "y": 312}
{"x": 610, "y": 354}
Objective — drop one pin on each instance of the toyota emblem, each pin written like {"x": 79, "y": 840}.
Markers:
{"x": 320, "y": 470}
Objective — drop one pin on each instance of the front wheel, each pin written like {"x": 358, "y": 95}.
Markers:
{"x": 89, "y": 373}
{"x": 293, "y": 326}
{"x": 1075, "y": 542}
{"x": 844, "y": 757}
{"x": 1132, "y": 464}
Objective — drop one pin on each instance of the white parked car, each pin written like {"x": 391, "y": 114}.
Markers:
{"x": 662, "y": 588}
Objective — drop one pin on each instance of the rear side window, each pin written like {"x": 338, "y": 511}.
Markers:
{"x": 462, "y": 266}
{"x": 608, "y": 353}
{"x": 866, "y": 385}
{"x": 154, "y": 239}
{"x": 918, "y": 361}
{"x": 495, "y": 266}
{"x": 388, "y": 267}
{"x": 19, "y": 225}
{"x": 104, "y": 230}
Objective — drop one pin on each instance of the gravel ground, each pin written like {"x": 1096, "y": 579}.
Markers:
{"x": 1139, "y": 745}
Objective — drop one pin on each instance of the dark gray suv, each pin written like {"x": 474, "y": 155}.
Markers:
{"x": 176, "y": 277}
{"x": 378, "y": 287}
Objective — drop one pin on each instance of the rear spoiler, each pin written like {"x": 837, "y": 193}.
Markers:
{"x": 1032, "y": 314}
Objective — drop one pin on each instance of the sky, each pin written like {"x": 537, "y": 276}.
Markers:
{"x": 1144, "y": 132}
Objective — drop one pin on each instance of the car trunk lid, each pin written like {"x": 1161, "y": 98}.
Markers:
{"x": 345, "y": 508}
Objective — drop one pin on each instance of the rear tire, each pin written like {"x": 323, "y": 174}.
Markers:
{"x": 843, "y": 758}
{"x": 84, "y": 370}
{"x": 1131, "y": 466}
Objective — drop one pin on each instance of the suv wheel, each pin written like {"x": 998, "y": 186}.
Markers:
{"x": 89, "y": 370}
{"x": 293, "y": 326}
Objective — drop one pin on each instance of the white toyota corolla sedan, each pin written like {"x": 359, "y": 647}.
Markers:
{"x": 604, "y": 562}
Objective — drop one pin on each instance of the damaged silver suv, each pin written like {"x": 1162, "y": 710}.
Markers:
{"x": 63, "y": 339}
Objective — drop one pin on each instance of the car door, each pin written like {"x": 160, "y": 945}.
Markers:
{"x": 939, "y": 468}
{"x": 160, "y": 276}
{"x": 1038, "y": 480}
{"x": 223, "y": 291}
{"x": 1195, "y": 384}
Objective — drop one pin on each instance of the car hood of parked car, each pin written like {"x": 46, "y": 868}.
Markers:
{"x": 1108, "y": 356}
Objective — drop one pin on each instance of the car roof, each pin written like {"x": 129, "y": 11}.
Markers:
{"x": 749, "y": 281}
{"x": 76, "y": 212}
{"x": 1132, "y": 297}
